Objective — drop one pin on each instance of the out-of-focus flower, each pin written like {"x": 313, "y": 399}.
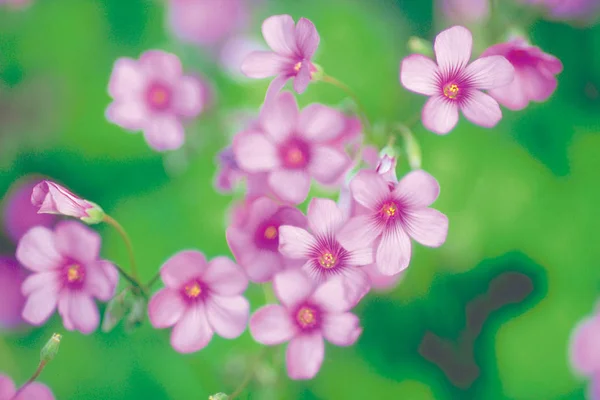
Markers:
{"x": 255, "y": 242}
{"x": 229, "y": 174}
{"x": 200, "y": 298}
{"x": 323, "y": 256}
{"x": 455, "y": 84}
{"x": 19, "y": 214}
{"x": 206, "y": 22}
{"x": 11, "y": 298}
{"x": 293, "y": 48}
{"x": 392, "y": 215}
{"x": 33, "y": 391}
{"x": 16, "y": 3}
{"x": 380, "y": 282}
{"x": 567, "y": 9}
{"x": 235, "y": 50}
{"x": 51, "y": 198}
{"x": 293, "y": 146}
{"x": 308, "y": 314}
{"x": 154, "y": 96}
{"x": 584, "y": 352}
{"x": 466, "y": 10}
{"x": 67, "y": 274}
{"x": 534, "y": 74}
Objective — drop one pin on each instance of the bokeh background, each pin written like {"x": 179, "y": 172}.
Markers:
{"x": 486, "y": 316}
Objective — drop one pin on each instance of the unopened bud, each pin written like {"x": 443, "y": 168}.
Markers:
{"x": 218, "y": 396}
{"x": 50, "y": 349}
{"x": 95, "y": 214}
{"x": 137, "y": 313}
{"x": 420, "y": 46}
{"x": 317, "y": 73}
{"x": 116, "y": 309}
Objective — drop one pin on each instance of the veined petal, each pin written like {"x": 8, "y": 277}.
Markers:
{"x": 332, "y": 296}
{"x": 440, "y": 115}
{"x": 292, "y": 286}
{"x": 341, "y": 329}
{"x": 295, "y": 242}
{"x": 262, "y": 64}
{"x": 254, "y": 152}
{"x": 358, "y": 232}
{"x": 279, "y": 33}
{"x": 394, "y": 251}
{"x": 490, "y": 72}
{"x": 304, "y": 356}
{"x": 324, "y": 216}
{"x": 453, "y": 48}
{"x": 307, "y": 38}
{"x": 183, "y": 267}
{"x": 369, "y": 189}
{"x": 419, "y": 74}
{"x": 427, "y": 226}
{"x": 228, "y": 316}
{"x": 272, "y": 325}
{"x": 481, "y": 109}
{"x": 417, "y": 189}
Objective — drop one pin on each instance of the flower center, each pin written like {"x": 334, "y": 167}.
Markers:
{"x": 306, "y": 317}
{"x": 193, "y": 290}
{"x": 74, "y": 273}
{"x": 327, "y": 260}
{"x": 271, "y": 232}
{"x": 295, "y": 154}
{"x": 451, "y": 91}
{"x": 297, "y": 66}
{"x": 389, "y": 211}
{"x": 159, "y": 96}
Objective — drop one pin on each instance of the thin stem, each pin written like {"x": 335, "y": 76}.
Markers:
{"x": 131, "y": 279}
{"x": 248, "y": 377}
{"x": 113, "y": 222}
{"x": 35, "y": 375}
{"x": 153, "y": 280}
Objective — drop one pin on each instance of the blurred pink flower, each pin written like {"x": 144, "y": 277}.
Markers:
{"x": 66, "y": 273}
{"x": 153, "y": 95}
{"x": 454, "y": 85}
{"x": 391, "y": 217}
{"x": 11, "y": 298}
{"x": 200, "y": 298}
{"x": 33, "y": 391}
{"x": 230, "y": 175}
{"x": 206, "y": 22}
{"x": 534, "y": 74}
{"x": 568, "y": 9}
{"x": 235, "y": 50}
{"x": 293, "y": 48}
{"x": 323, "y": 256}
{"x": 584, "y": 352}
{"x": 16, "y": 4}
{"x": 466, "y": 10}
{"x": 308, "y": 314}
{"x": 19, "y": 214}
{"x": 293, "y": 147}
{"x": 255, "y": 242}
{"x": 380, "y": 282}
{"x": 51, "y": 198}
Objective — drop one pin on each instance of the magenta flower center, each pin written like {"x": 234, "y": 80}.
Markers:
{"x": 159, "y": 96}
{"x": 306, "y": 317}
{"x": 193, "y": 291}
{"x": 451, "y": 91}
{"x": 327, "y": 260}
{"x": 295, "y": 154}
{"x": 298, "y": 66}
{"x": 74, "y": 273}
{"x": 266, "y": 236}
{"x": 389, "y": 210}
{"x": 271, "y": 232}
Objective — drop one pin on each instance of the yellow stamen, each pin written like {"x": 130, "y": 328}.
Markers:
{"x": 298, "y": 66}
{"x": 193, "y": 291}
{"x": 390, "y": 209}
{"x": 327, "y": 260}
{"x": 74, "y": 273}
{"x": 306, "y": 317}
{"x": 451, "y": 91}
{"x": 271, "y": 232}
{"x": 295, "y": 156}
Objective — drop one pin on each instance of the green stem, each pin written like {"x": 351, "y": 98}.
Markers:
{"x": 35, "y": 375}
{"x": 153, "y": 280}
{"x": 248, "y": 377}
{"x": 113, "y": 222}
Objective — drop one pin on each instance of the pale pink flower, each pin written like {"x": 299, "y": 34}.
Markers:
{"x": 392, "y": 215}
{"x": 67, "y": 274}
{"x": 16, "y": 4}
{"x": 454, "y": 84}
{"x": 584, "y": 352}
{"x": 308, "y": 314}
{"x": 323, "y": 256}
{"x": 293, "y": 48}
{"x": 568, "y": 9}
{"x": 255, "y": 242}
{"x": 534, "y": 74}
{"x": 51, "y": 198}
{"x": 235, "y": 50}
{"x": 229, "y": 176}
{"x": 380, "y": 282}
{"x": 11, "y": 298}
{"x": 33, "y": 391}
{"x": 19, "y": 214}
{"x": 200, "y": 298}
{"x": 293, "y": 146}
{"x": 466, "y": 10}
{"x": 154, "y": 96}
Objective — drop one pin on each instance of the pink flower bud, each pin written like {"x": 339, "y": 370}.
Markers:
{"x": 52, "y": 198}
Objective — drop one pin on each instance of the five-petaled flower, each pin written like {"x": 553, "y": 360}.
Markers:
{"x": 152, "y": 95}
{"x": 393, "y": 214}
{"x": 455, "y": 84}
{"x": 308, "y": 314}
{"x": 293, "y": 48}
{"x": 67, "y": 274}
{"x": 200, "y": 298}
{"x": 33, "y": 391}
{"x": 51, "y": 198}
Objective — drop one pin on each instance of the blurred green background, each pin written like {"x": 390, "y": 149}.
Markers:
{"x": 486, "y": 316}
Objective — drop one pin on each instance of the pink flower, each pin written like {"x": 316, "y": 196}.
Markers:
{"x": 534, "y": 74}
{"x": 235, "y": 50}
{"x": 293, "y": 48}
{"x": 33, "y": 391}
{"x": 16, "y": 4}
{"x": 568, "y": 9}
{"x": 293, "y": 146}
{"x": 308, "y": 314}
{"x": 391, "y": 215}
{"x": 19, "y": 213}
{"x": 255, "y": 242}
{"x": 11, "y": 298}
{"x": 466, "y": 10}
{"x": 66, "y": 273}
{"x": 323, "y": 256}
{"x": 584, "y": 352}
{"x": 51, "y": 198}
{"x": 454, "y": 85}
{"x": 200, "y": 298}
{"x": 230, "y": 175}
{"x": 152, "y": 95}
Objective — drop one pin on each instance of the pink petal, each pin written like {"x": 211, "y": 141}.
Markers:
{"x": 427, "y": 226}
{"x": 228, "y": 316}
{"x": 83, "y": 312}
{"x": 101, "y": 279}
{"x": 183, "y": 267}
{"x": 275, "y": 87}
{"x": 225, "y": 277}
{"x": 279, "y": 33}
{"x": 164, "y": 133}
{"x": 585, "y": 346}
{"x": 453, "y": 48}
{"x": 291, "y": 186}
{"x": 158, "y": 63}
{"x": 327, "y": 164}
{"x": 439, "y": 115}
{"x": 7, "y": 387}
{"x": 512, "y": 96}
{"x": 320, "y": 123}
{"x": 188, "y": 99}
{"x": 538, "y": 86}
{"x": 490, "y": 72}
{"x": 292, "y": 287}
{"x": 419, "y": 74}
{"x": 332, "y": 296}
{"x": 126, "y": 79}
{"x": 75, "y": 240}
{"x": 304, "y": 356}
{"x": 358, "y": 232}
{"x": 41, "y": 281}
{"x": 37, "y": 250}
{"x": 369, "y": 189}
{"x": 356, "y": 284}
{"x": 192, "y": 332}
{"x": 360, "y": 256}
{"x": 271, "y": 325}
{"x": 130, "y": 114}
{"x": 307, "y": 38}
{"x": 35, "y": 391}
{"x": 324, "y": 216}
{"x": 165, "y": 308}
{"x": 394, "y": 251}
{"x": 254, "y": 152}
{"x": 278, "y": 118}
{"x": 40, "y": 305}
{"x": 260, "y": 210}
{"x": 261, "y": 265}
{"x": 341, "y": 329}
{"x": 63, "y": 310}
{"x": 262, "y": 64}
{"x": 482, "y": 109}
{"x": 417, "y": 189}
{"x": 302, "y": 78}
{"x": 295, "y": 242}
